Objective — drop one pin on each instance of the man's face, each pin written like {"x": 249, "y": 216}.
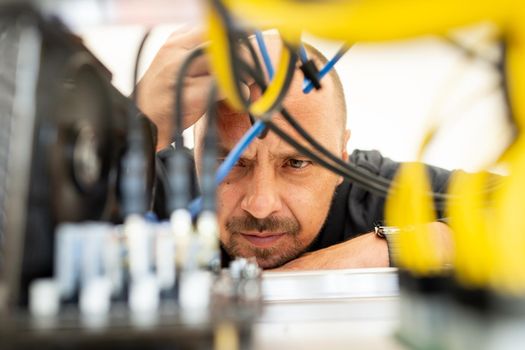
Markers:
{"x": 274, "y": 202}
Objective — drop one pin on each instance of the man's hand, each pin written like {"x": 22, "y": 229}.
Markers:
{"x": 156, "y": 90}
{"x": 367, "y": 250}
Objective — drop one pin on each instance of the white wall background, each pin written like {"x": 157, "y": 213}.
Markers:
{"x": 394, "y": 92}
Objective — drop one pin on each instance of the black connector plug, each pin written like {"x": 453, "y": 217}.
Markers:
{"x": 311, "y": 73}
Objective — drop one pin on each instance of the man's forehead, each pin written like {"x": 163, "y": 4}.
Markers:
{"x": 232, "y": 128}
{"x": 273, "y": 146}
{"x": 230, "y": 123}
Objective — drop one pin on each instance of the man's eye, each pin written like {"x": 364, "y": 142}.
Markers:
{"x": 297, "y": 163}
{"x": 240, "y": 163}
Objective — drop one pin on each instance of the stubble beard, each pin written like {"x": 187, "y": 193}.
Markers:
{"x": 273, "y": 257}
{"x": 267, "y": 258}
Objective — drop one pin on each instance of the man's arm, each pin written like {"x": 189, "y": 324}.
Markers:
{"x": 366, "y": 250}
{"x": 156, "y": 89}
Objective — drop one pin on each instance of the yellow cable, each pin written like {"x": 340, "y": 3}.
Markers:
{"x": 410, "y": 207}
{"x": 516, "y": 68}
{"x": 219, "y": 52}
{"x": 372, "y": 20}
{"x": 509, "y": 201}
{"x": 266, "y": 102}
{"x": 221, "y": 62}
{"x": 509, "y": 277}
{"x": 469, "y": 218}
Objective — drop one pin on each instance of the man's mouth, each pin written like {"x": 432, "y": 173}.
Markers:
{"x": 263, "y": 239}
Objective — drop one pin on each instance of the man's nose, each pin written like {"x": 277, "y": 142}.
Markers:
{"x": 262, "y": 196}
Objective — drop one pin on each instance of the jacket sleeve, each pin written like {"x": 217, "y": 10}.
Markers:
{"x": 365, "y": 208}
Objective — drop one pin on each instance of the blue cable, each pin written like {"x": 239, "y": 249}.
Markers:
{"x": 264, "y": 53}
{"x": 230, "y": 161}
{"x": 257, "y": 128}
{"x": 308, "y": 86}
{"x": 303, "y": 54}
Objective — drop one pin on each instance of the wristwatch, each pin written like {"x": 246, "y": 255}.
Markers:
{"x": 388, "y": 233}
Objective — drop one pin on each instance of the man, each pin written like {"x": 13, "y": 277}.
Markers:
{"x": 276, "y": 204}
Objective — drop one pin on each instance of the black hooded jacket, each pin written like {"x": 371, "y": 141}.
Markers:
{"x": 355, "y": 210}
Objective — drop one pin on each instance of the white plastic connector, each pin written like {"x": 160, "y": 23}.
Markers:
{"x": 137, "y": 233}
{"x": 182, "y": 227}
{"x": 165, "y": 257}
{"x": 113, "y": 264}
{"x": 144, "y": 295}
{"x": 68, "y": 245}
{"x": 207, "y": 225}
{"x": 95, "y": 297}
{"x": 195, "y": 289}
{"x": 44, "y": 298}
{"x": 92, "y": 247}
{"x": 181, "y": 222}
{"x": 236, "y": 267}
{"x": 208, "y": 233}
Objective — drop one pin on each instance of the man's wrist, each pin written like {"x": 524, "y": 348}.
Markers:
{"x": 387, "y": 234}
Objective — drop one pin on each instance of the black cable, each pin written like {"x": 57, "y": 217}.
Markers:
{"x": 179, "y": 164}
{"x": 355, "y": 177}
{"x": 209, "y": 155}
{"x": 133, "y": 184}
{"x": 318, "y": 147}
{"x": 178, "y": 108}
{"x": 500, "y": 66}
{"x": 258, "y": 65}
{"x": 258, "y": 68}
{"x": 468, "y": 51}
{"x": 138, "y": 60}
{"x": 359, "y": 176}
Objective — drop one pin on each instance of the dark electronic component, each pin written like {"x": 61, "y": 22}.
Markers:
{"x": 63, "y": 136}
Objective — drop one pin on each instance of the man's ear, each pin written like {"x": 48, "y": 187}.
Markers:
{"x": 345, "y": 145}
{"x": 344, "y": 154}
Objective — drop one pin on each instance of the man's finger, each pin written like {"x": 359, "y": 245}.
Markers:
{"x": 200, "y": 67}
